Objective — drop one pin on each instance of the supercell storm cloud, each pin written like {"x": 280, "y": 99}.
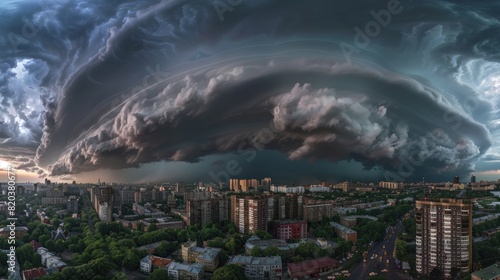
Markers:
{"x": 406, "y": 88}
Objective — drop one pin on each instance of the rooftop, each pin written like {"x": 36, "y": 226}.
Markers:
{"x": 301, "y": 267}
{"x": 489, "y": 272}
{"x": 207, "y": 254}
{"x": 194, "y": 268}
{"x": 150, "y": 246}
{"x": 354, "y": 217}
{"x": 281, "y": 244}
{"x": 16, "y": 229}
{"x": 157, "y": 261}
{"x": 342, "y": 228}
{"x": 34, "y": 273}
{"x": 249, "y": 260}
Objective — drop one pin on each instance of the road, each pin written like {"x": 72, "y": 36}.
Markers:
{"x": 362, "y": 269}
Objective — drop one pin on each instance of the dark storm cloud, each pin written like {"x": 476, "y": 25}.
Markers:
{"x": 353, "y": 112}
{"x": 108, "y": 84}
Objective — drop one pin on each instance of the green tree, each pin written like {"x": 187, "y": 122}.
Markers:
{"x": 263, "y": 234}
{"x": 216, "y": 243}
{"x": 401, "y": 252}
{"x": 152, "y": 226}
{"x": 43, "y": 239}
{"x": 120, "y": 276}
{"x": 271, "y": 251}
{"x": 140, "y": 226}
{"x": 231, "y": 246}
{"x": 159, "y": 274}
{"x": 50, "y": 245}
{"x": 129, "y": 243}
{"x": 229, "y": 272}
{"x": 131, "y": 261}
{"x": 59, "y": 246}
{"x": 256, "y": 252}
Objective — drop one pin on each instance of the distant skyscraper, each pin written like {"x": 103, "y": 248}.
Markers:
{"x": 234, "y": 185}
{"x": 180, "y": 187}
{"x": 456, "y": 180}
{"x": 244, "y": 185}
{"x": 443, "y": 236}
{"x": 106, "y": 204}
{"x": 266, "y": 183}
{"x": 472, "y": 178}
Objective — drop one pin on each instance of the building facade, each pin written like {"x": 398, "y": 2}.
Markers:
{"x": 290, "y": 229}
{"x": 259, "y": 268}
{"x": 249, "y": 213}
{"x": 200, "y": 212}
{"x": 443, "y": 236}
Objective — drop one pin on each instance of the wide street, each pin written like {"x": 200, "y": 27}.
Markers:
{"x": 384, "y": 259}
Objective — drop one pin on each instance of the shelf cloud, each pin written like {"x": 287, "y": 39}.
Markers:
{"x": 408, "y": 88}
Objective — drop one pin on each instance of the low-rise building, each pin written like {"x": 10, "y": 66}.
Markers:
{"x": 289, "y": 229}
{"x": 255, "y": 241}
{"x": 351, "y": 221}
{"x": 480, "y": 220}
{"x": 20, "y": 231}
{"x": 49, "y": 259}
{"x": 151, "y": 248}
{"x": 312, "y": 268}
{"x": 345, "y": 232}
{"x": 180, "y": 271}
{"x": 163, "y": 223}
{"x": 342, "y": 211}
{"x": 150, "y": 262}
{"x": 54, "y": 200}
{"x": 33, "y": 273}
{"x": 207, "y": 256}
{"x": 259, "y": 268}
{"x": 287, "y": 189}
{"x": 491, "y": 272}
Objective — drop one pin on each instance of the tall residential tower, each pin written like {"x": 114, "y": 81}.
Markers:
{"x": 443, "y": 236}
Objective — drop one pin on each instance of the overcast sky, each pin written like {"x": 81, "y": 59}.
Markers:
{"x": 300, "y": 91}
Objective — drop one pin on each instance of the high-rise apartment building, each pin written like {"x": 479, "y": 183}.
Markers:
{"x": 249, "y": 213}
{"x": 203, "y": 211}
{"x": 106, "y": 204}
{"x": 443, "y": 236}
{"x": 234, "y": 185}
{"x": 265, "y": 183}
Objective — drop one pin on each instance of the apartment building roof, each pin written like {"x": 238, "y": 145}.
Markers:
{"x": 342, "y": 228}
{"x": 195, "y": 268}
{"x": 34, "y": 273}
{"x": 206, "y": 254}
{"x": 490, "y": 272}
{"x": 303, "y": 268}
{"x": 249, "y": 260}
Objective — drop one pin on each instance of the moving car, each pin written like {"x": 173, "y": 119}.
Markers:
{"x": 372, "y": 273}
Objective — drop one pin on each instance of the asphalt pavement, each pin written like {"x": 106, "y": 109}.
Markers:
{"x": 384, "y": 259}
